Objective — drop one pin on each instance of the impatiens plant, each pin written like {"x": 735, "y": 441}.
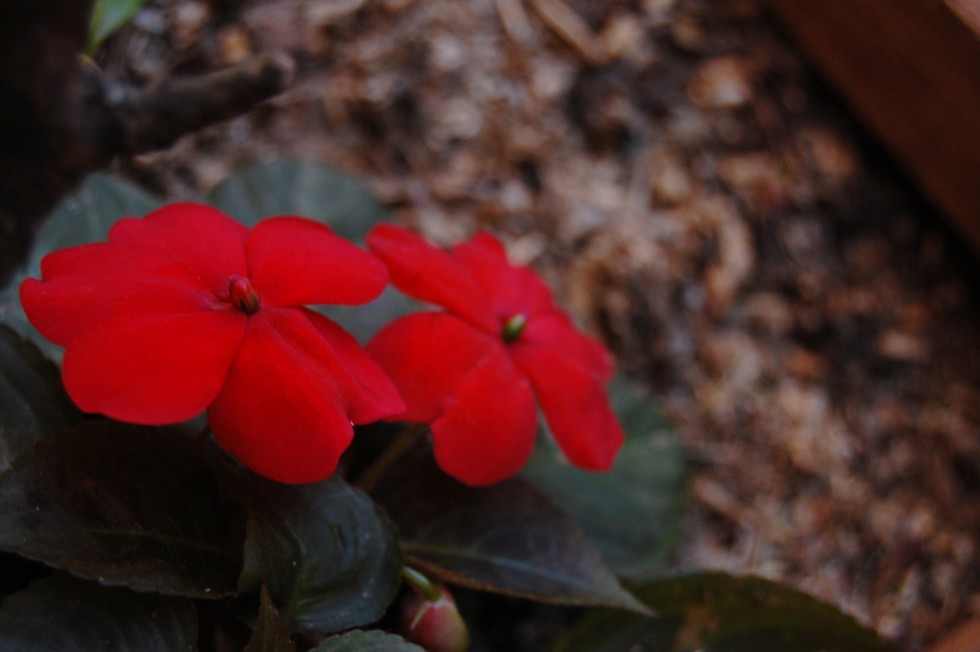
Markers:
{"x": 219, "y": 465}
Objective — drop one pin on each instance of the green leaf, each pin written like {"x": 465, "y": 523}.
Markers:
{"x": 716, "y": 612}
{"x": 318, "y": 192}
{"x": 33, "y": 402}
{"x": 364, "y": 321}
{"x": 123, "y": 505}
{"x": 88, "y": 213}
{"x": 84, "y": 216}
{"x": 328, "y": 555}
{"x": 270, "y": 633}
{"x": 67, "y": 614}
{"x": 508, "y": 538}
{"x": 369, "y": 641}
{"x": 107, "y": 17}
{"x": 634, "y": 512}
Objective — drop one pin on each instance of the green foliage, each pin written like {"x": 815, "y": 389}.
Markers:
{"x": 508, "y": 538}
{"x": 71, "y": 615}
{"x": 317, "y": 192}
{"x": 370, "y": 641}
{"x": 123, "y": 505}
{"x": 270, "y": 633}
{"x": 107, "y": 17}
{"x": 634, "y": 512}
{"x": 33, "y": 402}
{"x": 716, "y": 612}
{"x": 330, "y": 559}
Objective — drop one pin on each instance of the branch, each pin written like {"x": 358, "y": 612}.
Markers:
{"x": 156, "y": 116}
{"x": 61, "y": 118}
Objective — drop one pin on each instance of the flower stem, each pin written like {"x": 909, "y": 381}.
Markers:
{"x": 421, "y": 583}
{"x": 405, "y": 440}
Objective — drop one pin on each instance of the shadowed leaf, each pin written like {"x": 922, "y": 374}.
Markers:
{"x": 71, "y": 615}
{"x": 123, "y": 505}
{"x": 508, "y": 538}
{"x": 328, "y": 556}
{"x": 369, "y": 641}
{"x": 33, "y": 402}
{"x": 716, "y": 612}
{"x": 634, "y": 512}
{"x": 270, "y": 633}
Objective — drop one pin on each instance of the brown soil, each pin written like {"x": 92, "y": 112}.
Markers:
{"x": 702, "y": 203}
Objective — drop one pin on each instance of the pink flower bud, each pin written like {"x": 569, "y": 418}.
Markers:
{"x": 435, "y": 625}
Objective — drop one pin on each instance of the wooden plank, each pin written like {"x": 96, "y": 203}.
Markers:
{"x": 911, "y": 70}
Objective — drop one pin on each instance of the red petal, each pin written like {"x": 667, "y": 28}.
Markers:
{"x": 431, "y": 274}
{"x": 426, "y": 354}
{"x": 209, "y": 242}
{"x": 575, "y": 403}
{"x": 487, "y": 431}
{"x": 294, "y": 262}
{"x": 83, "y": 285}
{"x": 278, "y": 412}
{"x": 511, "y": 289}
{"x": 336, "y": 356}
{"x": 554, "y": 329}
{"x": 152, "y": 368}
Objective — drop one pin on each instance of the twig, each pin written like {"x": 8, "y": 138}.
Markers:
{"x": 158, "y": 115}
{"x": 571, "y": 28}
{"x": 60, "y": 118}
{"x": 515, "y": 21}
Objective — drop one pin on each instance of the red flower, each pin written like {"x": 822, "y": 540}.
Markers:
{"x": 186, "y": 310}
{"x": 477, "y": 372}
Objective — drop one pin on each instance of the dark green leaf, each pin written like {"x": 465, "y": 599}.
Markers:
{"x": 716, "y": 612}
{"x": 270, "y": 634}
{"x": 370, "y": 641}
{"x": 508, "y": 538}
{"x": 310, "y": 190}
{"x": 364, "y": 321}
{"x": 327, "y": 554}
{"x": 634, "y": 512}
{"x": 33, "y": 402}
{"x": 107, "y": 17}
{"x": 82, "y": 217}
{"x": 123, "y": 505}
{"x": 88, "y": 213}
{"x": 67, "y": 614}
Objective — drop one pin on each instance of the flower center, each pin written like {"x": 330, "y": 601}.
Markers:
{"x": 513, "y": 327}
{"x": 242, "y": 294}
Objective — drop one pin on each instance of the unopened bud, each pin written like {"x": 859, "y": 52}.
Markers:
{"x": 435, "y": 624}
